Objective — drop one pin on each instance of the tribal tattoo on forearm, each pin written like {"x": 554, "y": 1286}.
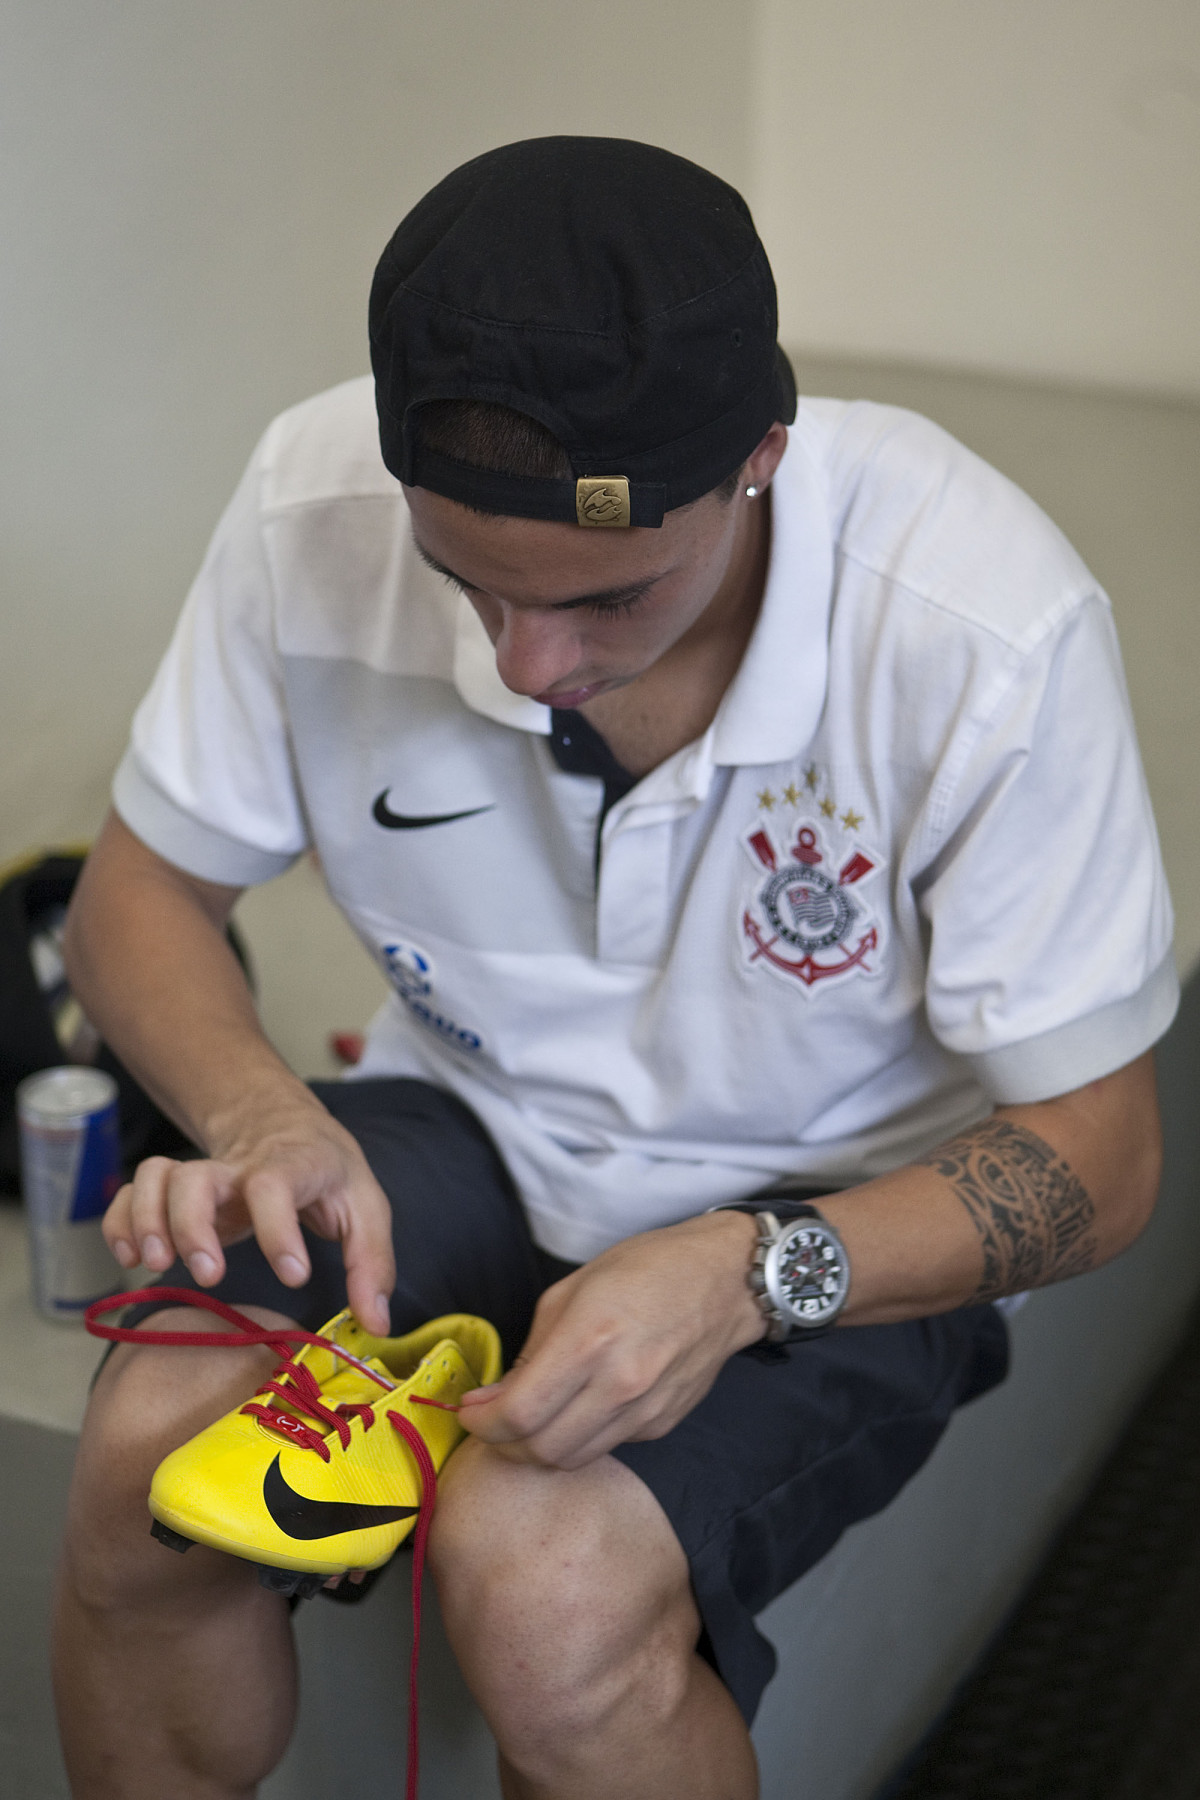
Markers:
{"x": 1033, "y": 1215}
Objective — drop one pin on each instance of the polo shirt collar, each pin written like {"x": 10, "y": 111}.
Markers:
{"x": 773, "y": 705}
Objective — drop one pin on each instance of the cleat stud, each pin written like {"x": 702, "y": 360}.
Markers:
{"x": 173, "y": 1540}
{"x": 293, "y": 1583}
{"x": 349, "y": 1593}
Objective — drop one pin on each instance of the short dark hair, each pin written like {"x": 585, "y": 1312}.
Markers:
{"x": 486, "y": 436}
{"x": 498, "y": 438}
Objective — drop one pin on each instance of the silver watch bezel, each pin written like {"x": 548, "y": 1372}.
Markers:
{"x": 774, "y": 1290}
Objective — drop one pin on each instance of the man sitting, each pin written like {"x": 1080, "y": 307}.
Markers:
{"x": 742, "y": 797}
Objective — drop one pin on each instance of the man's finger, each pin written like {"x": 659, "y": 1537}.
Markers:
{"x": 117, "y": 1228}
{"x": 271, "y": 1202}
{"x": 369, "y": 1258}
{"x": 194, "y": 1191}
{"x": 580, "y": 1432}
{"x": 528, "y": 1398}
{"x": 547, "y": 1313}
{"x": 148, "y": 1219}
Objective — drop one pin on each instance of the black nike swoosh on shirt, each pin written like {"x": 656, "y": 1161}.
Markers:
{"x": 394, "y": 821}
{"x": 298, "y": 1516}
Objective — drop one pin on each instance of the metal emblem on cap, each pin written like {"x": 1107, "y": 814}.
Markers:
{"x": 602, "y": 500}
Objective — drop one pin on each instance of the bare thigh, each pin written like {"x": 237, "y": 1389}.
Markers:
{"x": 147, "y": 1401}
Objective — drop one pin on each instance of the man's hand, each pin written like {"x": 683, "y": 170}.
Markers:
{"x": 148, "y": 959}
{"x": 626, "y": 1346}
{"x": 290, "y": 1160}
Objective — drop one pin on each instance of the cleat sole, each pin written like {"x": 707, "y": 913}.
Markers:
{"x": 174, "y": 1540}
{"x": 349, "y": 1593}
{"x": 294, "y": 1584}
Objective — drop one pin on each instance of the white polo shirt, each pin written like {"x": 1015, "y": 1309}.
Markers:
{"x": 908, "y": 872}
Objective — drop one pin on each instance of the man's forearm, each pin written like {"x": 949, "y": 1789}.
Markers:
{"x": 1035, "y": 1220}
{"x": 1030, "y": 1196}
{"x": 149, "y": 962}
{"x": 623, "y": 1348}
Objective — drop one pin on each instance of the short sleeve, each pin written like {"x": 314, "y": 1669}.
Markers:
{"x": 1047, "y": 907}
{"x": 208, "y": 781}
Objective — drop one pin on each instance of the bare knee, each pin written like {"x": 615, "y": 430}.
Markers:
{"x": 566, "y": 1597}
{"x": 147, "y": 1401}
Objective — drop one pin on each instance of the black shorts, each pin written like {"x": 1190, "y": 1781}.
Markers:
{"x": 789, "y": 1447}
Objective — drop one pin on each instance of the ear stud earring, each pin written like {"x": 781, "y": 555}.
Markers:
{"x": 752, "y": 493}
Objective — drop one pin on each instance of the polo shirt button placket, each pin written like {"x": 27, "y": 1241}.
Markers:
{"x": 634, "y": 904}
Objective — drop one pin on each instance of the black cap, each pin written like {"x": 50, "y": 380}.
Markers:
{"x": 612, "y": 291}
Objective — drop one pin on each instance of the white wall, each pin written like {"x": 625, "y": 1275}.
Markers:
{"x": 192, "y": 198}
{"x": 1005, "y": 184}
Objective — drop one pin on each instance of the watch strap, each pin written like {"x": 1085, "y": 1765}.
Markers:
{"x": 779, "y": 1204}
{"x": 770, "y": 1211}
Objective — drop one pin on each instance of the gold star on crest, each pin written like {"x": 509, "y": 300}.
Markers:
{"x": 828, "y": 806}
{"x": 791, "y": 794}
{"x": 766, "y": 799}
{"x": 851, "y": 819}
{"x": 810, "y": 778}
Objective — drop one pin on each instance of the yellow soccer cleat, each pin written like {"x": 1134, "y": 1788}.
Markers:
{"x": 318, "y": 1474}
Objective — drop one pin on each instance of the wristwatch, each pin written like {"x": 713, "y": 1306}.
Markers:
{"x": 800, "y": 1275}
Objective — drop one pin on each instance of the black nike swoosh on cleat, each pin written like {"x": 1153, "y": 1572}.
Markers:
{"x": 298, "y": 1516}
{"x": 394, "y": 821}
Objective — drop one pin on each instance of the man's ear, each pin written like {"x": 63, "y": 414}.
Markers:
{"x": 765, "y": 458}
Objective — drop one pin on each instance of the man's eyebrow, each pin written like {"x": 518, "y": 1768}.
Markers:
{"x": 631, "y": 591}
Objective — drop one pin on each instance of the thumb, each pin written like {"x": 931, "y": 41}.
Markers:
{"x": 481, "y": 1395}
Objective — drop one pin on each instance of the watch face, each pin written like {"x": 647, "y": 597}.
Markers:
{"x": 810, "y": 1272}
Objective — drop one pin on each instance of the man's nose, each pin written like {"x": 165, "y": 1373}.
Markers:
{"x": 534, "y": 652}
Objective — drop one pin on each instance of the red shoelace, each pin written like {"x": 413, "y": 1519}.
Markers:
{"x": 295, "y": 1385}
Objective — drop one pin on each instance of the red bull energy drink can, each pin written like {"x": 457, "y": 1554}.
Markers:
{"x": 70, "y": 1170}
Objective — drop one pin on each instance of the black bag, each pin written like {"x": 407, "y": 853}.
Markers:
{"x": 41, "y": 1026}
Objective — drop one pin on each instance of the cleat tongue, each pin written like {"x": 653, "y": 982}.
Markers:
{"x": 350, "y": 1387}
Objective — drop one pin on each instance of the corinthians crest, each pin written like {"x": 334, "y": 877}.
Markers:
{"x": 806, "y": 921}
